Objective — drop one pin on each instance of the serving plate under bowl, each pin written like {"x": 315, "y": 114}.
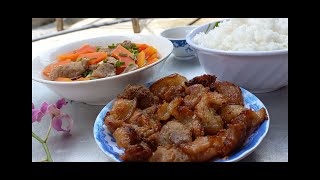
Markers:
{"x": 108, "y": 145}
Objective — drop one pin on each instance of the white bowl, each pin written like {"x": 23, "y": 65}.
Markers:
{"x": 101, "y": 91}
{"x": 177, "y": 36}
{"x": 259, "y": 71}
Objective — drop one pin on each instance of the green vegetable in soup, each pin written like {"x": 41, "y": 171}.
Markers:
{"x": 123, "y": 54}
{"x": 112, "y": 46}
{"x": 119, "y": 63}
{"x": 87, "y": 73}
{"x": 134, "y": 57}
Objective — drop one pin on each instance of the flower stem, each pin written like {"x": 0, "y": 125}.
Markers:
{"x": 37, "y": 137}
{"x": 46, "y": 149}
{"x": 47, "y": 152}
{"x": 49, "y": 130}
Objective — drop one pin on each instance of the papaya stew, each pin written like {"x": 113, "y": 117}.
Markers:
{"x": 93, "y": 62}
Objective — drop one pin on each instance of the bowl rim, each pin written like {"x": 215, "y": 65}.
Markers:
{"x": 178, "y": 27}
{"x": 165, "y": 56}
{"x": 192, "y": 33}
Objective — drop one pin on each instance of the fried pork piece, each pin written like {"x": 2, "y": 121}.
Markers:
{"x": 162, "y": 86}
{"x": 189, "y": 119}
{"x": 169, "y": 154}
{"x": 137, "y": 152}
{"x": 216, "y": 100}
{"x": 125, "y": 136}
{"x": 174, "y": 92}
{"x": 206, "y": 112}
{"x": 203, "y": 148}
{"x": 206, "y": 80}
{"x": 165, "y": 110}
{"x": 230, "y": 91}
{"x": 226, "y": 141}
{"x": 240, "y": 129}
{"x": 143, "y": 95}
{"x": 257, "y": 118}
{"x": 138, "y": 118}
{"x": 121, "y": 111}
{"x": 194, "y": 93}
{"x": 144, "y": 124}
{"x": 229, "y": 112}
{"x": 151, "y": 111}
{"x": 174, "y": 133}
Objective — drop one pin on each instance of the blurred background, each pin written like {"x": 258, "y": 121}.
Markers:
{"x": 49, "y": 27}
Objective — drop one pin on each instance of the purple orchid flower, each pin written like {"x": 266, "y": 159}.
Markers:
{"x": 58, "y": 116}
{"x": 37, "y": 114}
{"x": 60, "y": 103}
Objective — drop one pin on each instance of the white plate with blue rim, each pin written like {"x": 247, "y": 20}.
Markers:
{"x": 108, "y": 145}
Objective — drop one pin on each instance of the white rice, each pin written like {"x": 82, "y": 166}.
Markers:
{"x": 246, "y": 34}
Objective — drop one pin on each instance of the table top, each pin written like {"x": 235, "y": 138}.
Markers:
{"x": 80, "y": 144}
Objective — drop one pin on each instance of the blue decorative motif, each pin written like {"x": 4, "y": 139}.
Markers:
{"x": 188, "y": 49}
{"x": 182, "y": 44}
{"x": 179, "y": 43}
{"x": 107, "y": 143}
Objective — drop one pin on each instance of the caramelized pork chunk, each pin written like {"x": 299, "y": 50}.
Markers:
{"x": 143, "y": 95}
{"x": 206, "y": 80}
{"x": 169, "y": 154}
{"x": 232, "y": 92}
{"x": 174, "y": 133}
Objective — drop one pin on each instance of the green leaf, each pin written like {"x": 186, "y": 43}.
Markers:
{"x": 134, "y": 57}
{"x": 123, "y": 54}
{"x": 216, "y": 24}
{"x": 119, "y": 63}
{"x": 98, "y": 49}
{"x": 112, "y": 46}
{"x": 208, "y": 28}
{"x": 87, "y": 73}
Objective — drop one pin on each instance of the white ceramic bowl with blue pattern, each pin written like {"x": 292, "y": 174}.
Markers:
{"x": 108, "y": 145}
{"x": 177, "y": 36}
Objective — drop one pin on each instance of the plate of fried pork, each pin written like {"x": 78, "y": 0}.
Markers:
{"x": 178, "y": 120}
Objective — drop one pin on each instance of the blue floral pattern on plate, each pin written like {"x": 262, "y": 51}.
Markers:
{"x": 107, "y": 143}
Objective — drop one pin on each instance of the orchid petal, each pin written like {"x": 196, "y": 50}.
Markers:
{"x": 60, "y": 103}
{"x": 53, "y": 110}
{"x": 32, "y": 106}
{"x": 36, "y": 115}
{"x": 44, "y": 107}
{"x": 57, "y": 122}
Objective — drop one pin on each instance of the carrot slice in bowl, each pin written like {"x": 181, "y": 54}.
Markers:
{"x": 94, "y": 57}
{"x": 46, "y": 71}
{"x": 73, "y": 55}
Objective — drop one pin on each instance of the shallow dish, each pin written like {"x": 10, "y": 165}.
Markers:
{"x": 107, "y": 143}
